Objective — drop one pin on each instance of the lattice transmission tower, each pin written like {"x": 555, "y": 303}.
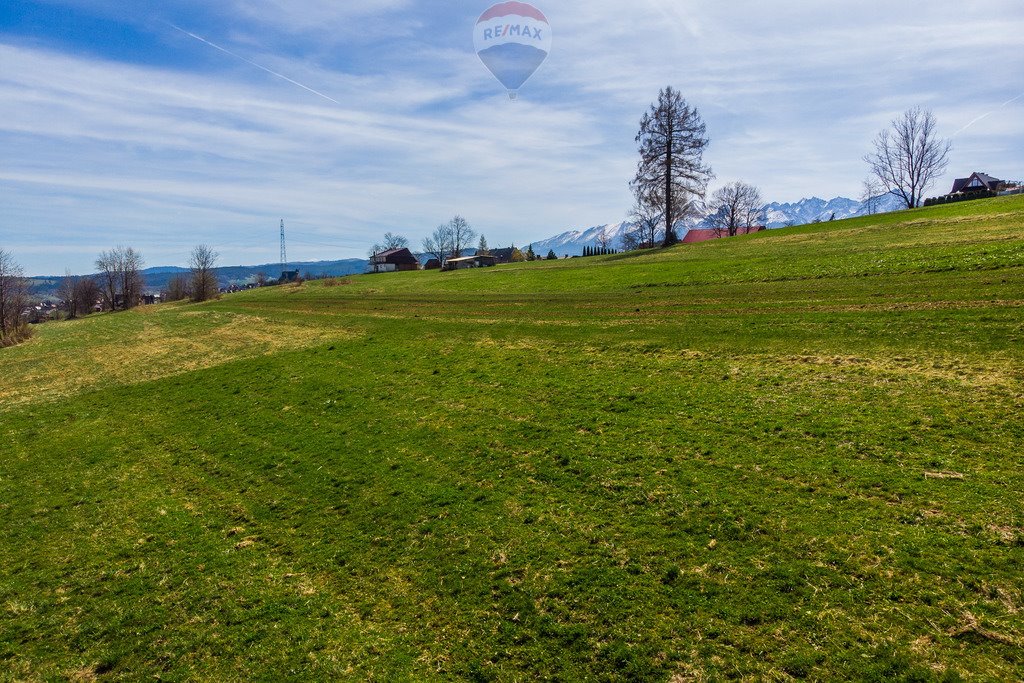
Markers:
{"x": 284, "y": 251}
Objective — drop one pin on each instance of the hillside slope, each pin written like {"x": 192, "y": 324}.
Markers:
{"x": 788, "y": 455}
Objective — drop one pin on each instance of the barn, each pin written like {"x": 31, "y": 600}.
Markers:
{"x": 393, "y": 260}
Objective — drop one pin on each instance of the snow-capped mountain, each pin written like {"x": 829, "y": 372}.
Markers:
{"x": 573, "y": 242}
{"x": 777, "y": 215}
{"x": 809, "y": 210}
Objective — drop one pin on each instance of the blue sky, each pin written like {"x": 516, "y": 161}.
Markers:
{"x": 118, "y": 128}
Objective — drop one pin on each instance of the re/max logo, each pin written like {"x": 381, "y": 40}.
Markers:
{"x": 512, "y": 30}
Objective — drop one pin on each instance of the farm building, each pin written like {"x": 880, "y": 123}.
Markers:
{"x": 478, "y": 261}
{"x": 502, "y": 255}
{"x": 393, "y": 260}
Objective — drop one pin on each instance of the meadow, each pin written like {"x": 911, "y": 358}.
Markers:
{"x": 797, "y": 454}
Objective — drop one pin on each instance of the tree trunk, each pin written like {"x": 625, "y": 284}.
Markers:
{"x": 668, "y": 193}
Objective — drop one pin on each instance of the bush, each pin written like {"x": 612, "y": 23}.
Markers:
{"x": 959, "y": 197}
{"x": 22, "y": 333}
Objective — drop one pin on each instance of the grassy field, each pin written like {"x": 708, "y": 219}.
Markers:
{"x": 798, "y": 454}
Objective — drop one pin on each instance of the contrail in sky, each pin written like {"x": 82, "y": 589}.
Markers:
{"x": 987, "y": 114}
{"x": 249, "y": 61}
{"x": 670, "y": 11}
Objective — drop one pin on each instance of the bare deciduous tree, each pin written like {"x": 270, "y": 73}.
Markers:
{"x": 203, "y": 278}
{"x": 671, "y": 173}
{"x": 132, "y": 282}
{"x": 604, "y": 238}
{"x": 439, "y": 243}
{"x": 646, "y": 230}
{"x": 178, "y": 288}
{"x": 86, "y": 294}
{"x": 631, "y": 240}
{"x": 735, "y": 206}
{"x": 13, "y": 299}
{"x": 393, "y": 241}
{"x": 909, "y": 156}
{"x": 121, "y": 273}
{"x": 871, "y": 192}
{"x": 462, "y": 235}
{"x": 78, "y": 294}
{"x": 106, "y": 264}
{"x": 66, "y": 294}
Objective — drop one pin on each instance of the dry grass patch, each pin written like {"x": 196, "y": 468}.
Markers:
{"x": 161, "y": 347}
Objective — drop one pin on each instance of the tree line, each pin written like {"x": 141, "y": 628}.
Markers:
{"x": 118, "y": 285}
{"x": 14, "y": 293}
{"x": 121, "y": 284}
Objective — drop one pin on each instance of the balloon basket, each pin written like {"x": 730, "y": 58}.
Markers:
{"x": 513, "y": 96}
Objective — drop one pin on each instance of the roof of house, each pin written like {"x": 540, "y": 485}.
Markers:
{"x": 696, "y": 235}
{"x": 961, "y": 183}
{"x": 396, "y": 256}
{"x": 504, "y": 253}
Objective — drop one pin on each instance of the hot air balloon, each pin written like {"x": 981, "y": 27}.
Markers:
{"x": 512, "y": 39}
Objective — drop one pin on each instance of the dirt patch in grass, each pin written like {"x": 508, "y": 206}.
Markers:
{"x": 993, "y": 374}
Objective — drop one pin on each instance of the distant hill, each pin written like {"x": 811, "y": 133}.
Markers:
{"x": 573, "y": 242}
{"x": 237, "y": 275}
{"x": 160, "y": 270}
{"x": 158, "y": 276}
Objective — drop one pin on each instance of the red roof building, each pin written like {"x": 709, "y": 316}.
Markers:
{"x": 696, "y": 235}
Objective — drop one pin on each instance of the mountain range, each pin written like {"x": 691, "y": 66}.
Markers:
{"x": 777, "y": 215}
{"x": 572, "y": 242}
{"x": 814, "y": 209}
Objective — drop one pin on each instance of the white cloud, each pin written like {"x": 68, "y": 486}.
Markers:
{"x": 124, "y": 139}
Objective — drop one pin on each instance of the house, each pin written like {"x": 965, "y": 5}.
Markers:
{"x": 978, "y": 182}
{"x": 696, "y": 235}
{"x": 976, "y": 186}
{"x": 393, "y": 260}
{"x": 432, "y": 264}
{"x": 464, "y": 262}
{"x": 502, "y": 255}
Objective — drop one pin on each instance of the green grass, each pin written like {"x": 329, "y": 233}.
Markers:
{"x": 790, "y": 455}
